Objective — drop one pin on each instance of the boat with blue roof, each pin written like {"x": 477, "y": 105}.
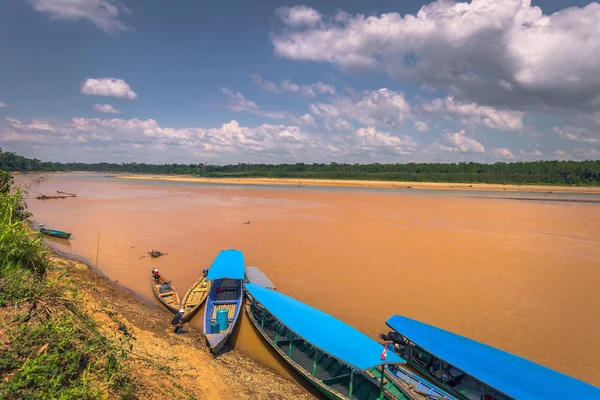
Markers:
{"x": 470, "y": 370}
{"x": 333, "y": 356}
{"x": 226, "y": 276}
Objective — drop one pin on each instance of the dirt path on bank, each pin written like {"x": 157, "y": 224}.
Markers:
{"x": 165, "y": 365}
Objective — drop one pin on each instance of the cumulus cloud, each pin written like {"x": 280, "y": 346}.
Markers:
{"x": 381, "y": 107}
{"x": 501, "y": 153}
{"x": 504, "y": 53}
{"x": 562, "y": 155}
{"x": 299, "y": 16}
{"x": 111, "y": 87}
{"x": 116, "y": 139}
{"x": 3, "y": 105}
{"x": 375, "y": 141}
{"x": 473, "y": 114}
{"x": 310, "y": 90}
{"x": 576, "y": 134}
{"x": 421, "y": 126}
{"x": 458, "y": 142}
{"x": 237, "y": 102}
{"x": 106, "y": 108}
{"x": 105, "y": 14}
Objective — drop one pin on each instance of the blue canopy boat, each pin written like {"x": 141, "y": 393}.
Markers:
{"x": 472, "y": 371}
{"x": 226, "y": 275}
{"x": 332, "y": 355}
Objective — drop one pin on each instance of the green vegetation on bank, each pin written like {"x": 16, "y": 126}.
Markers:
{"x": 584, "y": 173}
{"x": 49, "y": 349}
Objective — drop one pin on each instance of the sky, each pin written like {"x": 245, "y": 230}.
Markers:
{"x": 280, "y": 81}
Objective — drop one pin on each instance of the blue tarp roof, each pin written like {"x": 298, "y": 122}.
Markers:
{"x": 323, "y": 331}
{"x": 228, "y": 264}
{"x": 514, "y": 376}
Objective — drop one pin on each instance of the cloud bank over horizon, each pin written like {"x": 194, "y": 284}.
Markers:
{"x": 485, "y": 80}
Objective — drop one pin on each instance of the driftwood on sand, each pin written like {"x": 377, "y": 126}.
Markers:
{"x": 156, "y": 253}
{"x": 60, "y": 195}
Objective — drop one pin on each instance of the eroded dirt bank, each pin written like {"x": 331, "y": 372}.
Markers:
{"x": 165, "y": 365}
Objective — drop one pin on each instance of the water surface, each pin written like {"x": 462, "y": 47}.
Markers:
{"x": 523, "y": 276}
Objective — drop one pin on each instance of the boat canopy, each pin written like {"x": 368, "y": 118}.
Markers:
{"x": 228, "y": 264}
{"x": 256, "y": 276}
{"x": 323, "y": 331}
{"x": 512, "y": 375}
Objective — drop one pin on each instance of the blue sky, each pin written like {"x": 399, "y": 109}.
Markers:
{"x": 351, "y": 81}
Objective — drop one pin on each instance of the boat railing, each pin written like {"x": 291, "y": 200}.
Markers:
{"x": 320, "y": 366}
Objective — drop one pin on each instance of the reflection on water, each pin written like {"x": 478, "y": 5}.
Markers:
{"x": 519, "y": 275}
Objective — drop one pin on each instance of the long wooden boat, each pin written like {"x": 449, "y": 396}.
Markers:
{"x": 417, "y": 384}
{"x": 470, "y": 370}
{"x": 420, "y": 387}
{"x": 330, "y": 354}
{"x": 194, "y": 298}
{"x": 54, "y": 233}
{"x": 166, "y": 293}
{"x": 255, "y": 275}
{"x": 226, "y": 276}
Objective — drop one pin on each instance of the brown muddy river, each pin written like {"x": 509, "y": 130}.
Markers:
{"x": 523, "y": 276}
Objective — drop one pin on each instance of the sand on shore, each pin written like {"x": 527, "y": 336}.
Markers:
{"x": 164, "y": 365}
{"x": 376, "y": 184}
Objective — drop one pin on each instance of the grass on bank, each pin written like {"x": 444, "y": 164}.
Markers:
{"x": 49, "y": 349}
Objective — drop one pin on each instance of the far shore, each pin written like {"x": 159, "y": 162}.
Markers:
{"x": 375, "y": 184}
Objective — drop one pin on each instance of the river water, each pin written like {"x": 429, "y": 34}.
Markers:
{"x": 523, "y": 276}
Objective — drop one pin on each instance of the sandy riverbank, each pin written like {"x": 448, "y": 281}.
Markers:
{"x": 165, "y": 365}
{"x": 377, "y": 184}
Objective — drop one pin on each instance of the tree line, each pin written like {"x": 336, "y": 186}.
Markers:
{"x": 537, "y": 172}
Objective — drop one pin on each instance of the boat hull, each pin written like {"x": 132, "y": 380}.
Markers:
{"x": 229, "y": 298}
{"x": 319, "y": 385}
{"x": 170, "y": 300}
{"x": 56, "y": 234}
{"x": 194, "y": 298}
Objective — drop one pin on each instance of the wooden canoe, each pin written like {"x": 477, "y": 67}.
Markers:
{"x": 334, "y": 377}
{"x": 53, "y": 233}
{"x": 195, "y": 297}
{"x": 166, "y": 293}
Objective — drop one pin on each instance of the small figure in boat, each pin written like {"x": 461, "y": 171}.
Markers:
{"x": 205, "y": 272}
{"x": 392, "y": 341}
{"x": 177, "y": 321}
{"x": 155, "y": 274}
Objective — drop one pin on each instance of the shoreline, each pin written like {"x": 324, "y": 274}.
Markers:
{"x": 163, "y": 363}
{"x": 487, "y": 187}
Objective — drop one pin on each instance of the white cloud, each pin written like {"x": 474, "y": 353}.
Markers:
{"x": 3, "y": 105}
{"x": 240, "y": 103}
{"x": 339, "y": 125}
{"x": 94, "y": 139}
{"x": 491, "y": 52}
{"x": 267, "y": 85}
{"x": 381, "y": 107}
{"x": 104, "y": 14}
{"x": 299, "y": 16}
{"x": 374, "y": 141}
{"x": 562, "y": 155}
{"x": 473, "y": 114}
{"x": 291, "y": 87}
{"x": 421, "y": 126}
{"x": 575, "y": 134}
{"x": 108, "y": 87}
{"x": 501, "y": 153}
{"x": 458, "y": 142}
{"x": 106, "y": 108}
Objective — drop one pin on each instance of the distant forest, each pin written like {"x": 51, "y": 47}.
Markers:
{"x": 583, "y": 173}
